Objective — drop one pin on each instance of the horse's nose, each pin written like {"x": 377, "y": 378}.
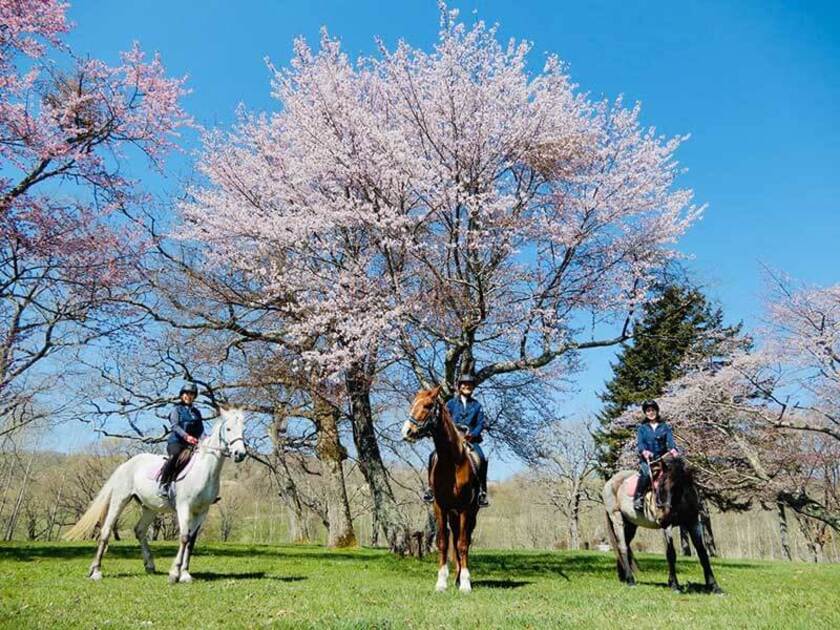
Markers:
{"x": 407, "y": 429}
{"x": 238, "y": 456}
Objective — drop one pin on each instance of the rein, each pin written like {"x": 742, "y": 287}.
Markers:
{"x": 224, "y": 451}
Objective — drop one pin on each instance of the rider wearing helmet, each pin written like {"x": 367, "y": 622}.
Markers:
{"x": 186, "y": 426}
{"x": 654, "y": 438}
{"x": 468, "y": 416}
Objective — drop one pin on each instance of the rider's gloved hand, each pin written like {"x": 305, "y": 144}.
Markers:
{"x": 647, "y": 454}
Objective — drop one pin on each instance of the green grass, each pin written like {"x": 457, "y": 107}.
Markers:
{"x": 44, "y": 585}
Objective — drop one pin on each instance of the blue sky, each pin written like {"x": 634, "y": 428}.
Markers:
{"x": 755, "y": 83}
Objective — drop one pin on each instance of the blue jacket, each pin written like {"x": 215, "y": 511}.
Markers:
{"x": 184, "y": 421}
{"x": 657, "y": 442}
{"x": 471, "y": 415}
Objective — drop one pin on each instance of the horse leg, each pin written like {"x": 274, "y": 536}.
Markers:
{"x": 443, "y": 549}
{"x": 626, "y": 555}
{"x": 184, "y": 521}
{"x": 455, "y": 527}
{"x": 185, "y": 564}
{"x": 696, "y": 533}
{"x": 141, "y": 531}
{"x": 671, "y": 554}
{"x": 466, "y": 527}
{"x": 115, "y": 508}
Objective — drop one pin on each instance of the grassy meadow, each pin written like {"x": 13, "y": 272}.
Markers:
{"x": 44, "y": 586}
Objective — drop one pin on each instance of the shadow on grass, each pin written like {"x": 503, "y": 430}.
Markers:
{"x": 209, "y": 576}
{"x": 503, "y": 584}
{"x": 519, "y": 564}
{"x": 689, "y": 588}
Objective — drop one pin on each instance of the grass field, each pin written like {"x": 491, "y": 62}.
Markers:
{"x": 293, "y": 586}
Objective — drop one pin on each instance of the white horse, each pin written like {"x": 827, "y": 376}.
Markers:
{"x": 195, "y": 492}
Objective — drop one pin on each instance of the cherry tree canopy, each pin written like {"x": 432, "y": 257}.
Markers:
{"x": 438, "y": 206}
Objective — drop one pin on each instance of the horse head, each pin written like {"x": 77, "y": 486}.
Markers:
{"x": 423, "y": 415}
{"x": 231, "y": 433}
{"x": 675, "y": 484}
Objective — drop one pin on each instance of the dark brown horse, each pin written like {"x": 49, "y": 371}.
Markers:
{"x": 453, "y": 479}
{"x": 674, "y": 501}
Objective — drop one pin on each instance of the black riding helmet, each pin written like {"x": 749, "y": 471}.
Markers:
{"x": 467, "y": 378}
{"x": 650, "y": 404}
{"x": 188, "y": 388}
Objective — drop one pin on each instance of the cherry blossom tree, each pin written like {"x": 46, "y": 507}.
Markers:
{"x": 67, "y": 127}
{"x": 432, "y": 212}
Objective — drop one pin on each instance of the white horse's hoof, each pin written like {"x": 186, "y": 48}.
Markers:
{"x": 443, "y": 574}
{"x": 96, "y": 576}
{"x": 185, "y": 578}
{"x": 464, "y": 579}
{"x": 173, "y": 578}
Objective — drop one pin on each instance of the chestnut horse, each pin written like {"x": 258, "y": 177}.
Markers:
{"x": 675, "y": 502}
{"x": 454, "y": 480}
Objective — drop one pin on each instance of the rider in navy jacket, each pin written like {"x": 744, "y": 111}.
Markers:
{"x": 654, "y": 439}
{"x": 468, "y": 416}
{"x": 186, "y": 427}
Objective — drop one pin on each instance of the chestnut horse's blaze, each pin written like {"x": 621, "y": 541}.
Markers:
{"x": 453, "y": 481}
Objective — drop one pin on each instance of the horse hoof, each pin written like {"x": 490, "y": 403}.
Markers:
{"x": 150, "y": 569}
{"x": 717, "y": 590}
{"x": 185, "y": 578}
{"x": 173, "y": 578}
{"x": 96, "y": 576}
{"x": 465, "y": 587}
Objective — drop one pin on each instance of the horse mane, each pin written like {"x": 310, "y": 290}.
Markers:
{"x": 680, "y": 472}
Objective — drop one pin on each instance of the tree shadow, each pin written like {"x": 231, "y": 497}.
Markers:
{"x": 503, "y": 584}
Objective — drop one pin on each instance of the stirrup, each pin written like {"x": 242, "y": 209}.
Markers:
{"x": 639, "y": 503}
{"x": 428, "y": 496}
{"x": 482, "y": 499}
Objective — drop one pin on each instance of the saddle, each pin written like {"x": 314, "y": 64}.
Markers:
{"x": 652, "y": 510}
{"x": 474, "y": 459}
{"x": 170, "y": 471}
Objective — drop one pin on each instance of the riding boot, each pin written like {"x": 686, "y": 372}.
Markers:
{"x": 482, "y": 475}
{"x": 639, "y": 495}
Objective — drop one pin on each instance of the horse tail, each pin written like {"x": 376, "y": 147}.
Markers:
{"x": 94, "y": 515}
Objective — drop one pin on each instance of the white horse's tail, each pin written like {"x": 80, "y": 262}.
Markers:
{"x": 95, "y": 514}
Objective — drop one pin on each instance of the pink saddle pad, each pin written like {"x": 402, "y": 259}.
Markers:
{"x": 630, "y": 485}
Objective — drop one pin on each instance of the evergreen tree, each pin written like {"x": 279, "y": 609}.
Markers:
{"x": 678, "y": 321}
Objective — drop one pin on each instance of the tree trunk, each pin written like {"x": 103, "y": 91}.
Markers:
{"x": 783, "y": 530}
{"x": 330, "y": 453}
{"x": 287, "y": 489}
{"x": 385, "y": 508}
{"x": 10, "y": 528}
{"x": 574, "y": 523}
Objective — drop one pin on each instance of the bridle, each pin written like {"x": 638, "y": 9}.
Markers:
{"x": 432, "y": 421}
{"x": 224, "y": 450}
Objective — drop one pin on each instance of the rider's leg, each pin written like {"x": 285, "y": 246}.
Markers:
{"x": 641, "y": 488}
{"x": 482, "y": 475}
{"x": 429, "y": 495}
{"x": 173, "y": 450}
